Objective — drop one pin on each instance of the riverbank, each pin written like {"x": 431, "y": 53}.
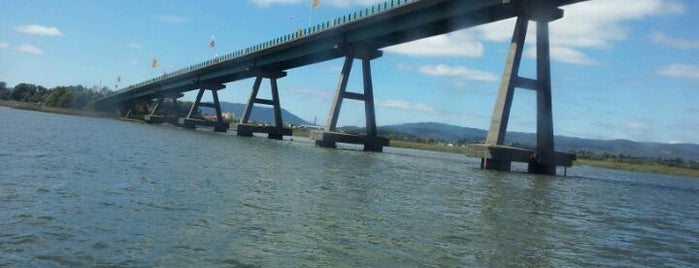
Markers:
{"x": 42, "y": 108}
{"x": 656, "y": 168}
{"x": 650, "y": 167}
{"x": 645, "y": 167}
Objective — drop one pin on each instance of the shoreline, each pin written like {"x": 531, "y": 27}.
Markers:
{"x": 654, "y": 168}
{"x": 55, "y": 110}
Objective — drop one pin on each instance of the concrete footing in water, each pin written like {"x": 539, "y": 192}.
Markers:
{"x": 500, "y": 157}
{"x": 273, "y": 132}
{"x": 330, "y": 140}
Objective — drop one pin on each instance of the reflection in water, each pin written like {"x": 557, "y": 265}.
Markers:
{"x": 89, "y": 192}
{"x": 515, "y": 221}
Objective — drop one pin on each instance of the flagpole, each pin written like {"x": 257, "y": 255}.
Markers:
{"x": 310, "y": 15}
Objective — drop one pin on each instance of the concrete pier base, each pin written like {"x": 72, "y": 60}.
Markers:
{"x": 192, "y": 123}
{"x": 273, "y": 132}
{"x": 159, "y": 119}
{"x": 500, "y": 157}
{"x": 330, "y": 140}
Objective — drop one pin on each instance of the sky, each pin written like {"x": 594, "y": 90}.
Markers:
{"x": 620, "y": 69}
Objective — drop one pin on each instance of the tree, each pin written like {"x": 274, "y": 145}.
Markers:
{"x": 23, "y": 92}
{"x": 58, "y": 97}
{"x": 4, "y": 92}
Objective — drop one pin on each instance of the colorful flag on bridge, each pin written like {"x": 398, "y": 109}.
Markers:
{"x": 154, "y": 63}
{"x": 316, "y": 3}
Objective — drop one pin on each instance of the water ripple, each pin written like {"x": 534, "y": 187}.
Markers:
{"x": 131, "y": 195}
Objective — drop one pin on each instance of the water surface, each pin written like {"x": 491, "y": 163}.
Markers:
{"x": 78, "y": 191}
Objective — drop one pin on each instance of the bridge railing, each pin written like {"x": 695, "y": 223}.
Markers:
{"x": 324, "y": 26}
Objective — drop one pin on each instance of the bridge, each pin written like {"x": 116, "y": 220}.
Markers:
{"x": 360, "y": 36}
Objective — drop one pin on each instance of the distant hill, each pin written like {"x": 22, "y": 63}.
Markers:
{"x": 445, "y": 133}
{"x": 259, "y": 114}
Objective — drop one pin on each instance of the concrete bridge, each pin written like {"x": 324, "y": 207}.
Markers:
{"x": 360, "y": 36}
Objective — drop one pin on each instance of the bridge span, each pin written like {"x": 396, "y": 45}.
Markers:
{"x": 360, "y": 36}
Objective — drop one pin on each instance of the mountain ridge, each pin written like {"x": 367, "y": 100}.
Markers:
{"x": 446, "y": 133}
{"x": 258, "y": 114}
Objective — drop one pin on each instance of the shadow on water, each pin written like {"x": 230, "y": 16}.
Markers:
{"x": 515, "y": 225}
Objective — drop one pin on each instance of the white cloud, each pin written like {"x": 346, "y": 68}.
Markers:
{"x": 135, "y": 46}
{"x": 30, "y": 49}
{"x": 169, "y": 18}
{"x": 323, "y": 95}
{"x": 4, "y": 45}
{"x": 457, "y": 71}
{"x": 636, "y": 126}
{"x": 680, "y": 70}
{"x": 405, "y": 105}
{"x": 586, "y": 25}
{"x": 672, "y": 42}
{"x": 564, "y": 54}
{"x": 455, "y": 44}
{"x": 39, "y": 30}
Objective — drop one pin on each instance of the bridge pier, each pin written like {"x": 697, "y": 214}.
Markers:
{"x": 168, "y": 112}
{"x": 329, "y": 136}
{"x": 494, "y": 154}
{"x": 273, "y": 132}
{"x": 191, "y": 122}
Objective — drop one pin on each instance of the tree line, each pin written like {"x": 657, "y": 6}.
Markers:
{"x": 73, "y": 97}
{"x": 670, "y": 162}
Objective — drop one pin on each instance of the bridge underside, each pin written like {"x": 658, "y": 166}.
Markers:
{"x": 361, "y": 39}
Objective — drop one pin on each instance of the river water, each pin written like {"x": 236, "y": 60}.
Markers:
{"x": 77, "y": 191}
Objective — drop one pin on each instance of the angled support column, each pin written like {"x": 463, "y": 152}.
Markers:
{"x": 134, "y": 108}
{"x": 273, "y": 132}
{"x": 494, "y": 154}
{"x": 191, "y": 121}
{"x": 153, "y": 117}
{"x": 329, "y": 137}
{"x": 126, "y": 109}
{"x": 162, "y": 112}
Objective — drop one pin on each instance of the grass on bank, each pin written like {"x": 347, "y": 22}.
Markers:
{"x": 649, "y": 167}
{"x": 42, "y": 108}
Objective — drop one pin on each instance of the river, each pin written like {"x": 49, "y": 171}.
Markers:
{"x": 80, "y": 191}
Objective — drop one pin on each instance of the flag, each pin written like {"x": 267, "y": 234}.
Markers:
{"x": 316, "y": 3}
{"x": 212, "y": 43}
{"x": 118, "y": 78}
{"x": 154, "y": 63}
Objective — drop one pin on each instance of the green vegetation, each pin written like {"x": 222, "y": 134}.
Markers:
{"x": 673, "y": 166}
{"x": 427, "y": 146}
{"x": 80, "y": 100}
{"x": 649, "y": 167}
{"x": 62, "y": 99}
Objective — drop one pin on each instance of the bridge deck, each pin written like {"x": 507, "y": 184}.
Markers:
{"x": 382, "y": 25}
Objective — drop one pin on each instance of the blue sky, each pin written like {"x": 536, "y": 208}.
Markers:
{"x": 621, "y": 69}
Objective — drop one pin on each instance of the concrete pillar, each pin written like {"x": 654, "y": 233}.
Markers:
{"x": 278, "y": 130}
{"x": 218, "y": 125}
{"x": 331, "y": 123}
{"x": 328, "y": 138}
{"x": 544, "y": 114}
{"x": 503, "y": 103}
{"x": 542, "y": 160}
